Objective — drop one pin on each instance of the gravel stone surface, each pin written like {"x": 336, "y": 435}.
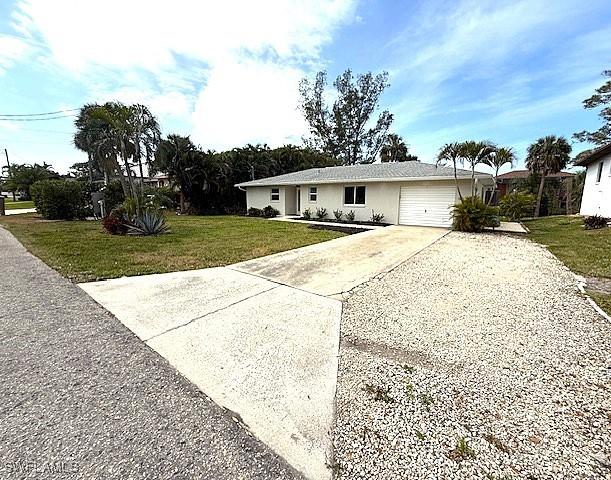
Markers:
{"x": 82, "y": 397}
{"x": 477, "y": 358}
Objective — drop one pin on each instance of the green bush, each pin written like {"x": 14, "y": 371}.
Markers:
{"x": 307, "y": 214}
{"x": 473, "y": 215}
{"x": 59, "y": 199}
{"x": 350, "y": 216}
{"x": 270, "y": 212}
{"x": 594, "y": 222}
{"x": 321, "y": 213}
{"x": 255, "y": 212}
{"x": 113, "y": 195}
{"x": 338, "y": 214}
{"x": 160, "y": 197}
{"x": 517, "y": 205}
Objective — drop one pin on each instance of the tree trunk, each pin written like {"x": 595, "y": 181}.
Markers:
{"x": 540, "y": 195}
{"x": 456, "y": 180}
{"x": 569, "y": 196}
{"x": 89, "y": 167}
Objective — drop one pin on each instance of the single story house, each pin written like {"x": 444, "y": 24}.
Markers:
{"x": 406, "y": 193}
{"x": 596, "y": 199}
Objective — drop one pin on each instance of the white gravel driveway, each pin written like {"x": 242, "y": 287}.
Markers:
{"x": 476, "y": 358}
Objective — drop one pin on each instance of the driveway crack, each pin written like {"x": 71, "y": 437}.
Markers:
{"x": 210, "y": 313}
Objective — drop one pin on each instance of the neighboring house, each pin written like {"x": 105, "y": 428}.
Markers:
{"x": 159, "y": 180}
{"x": 407, "y": 193}
{"x": 596, "y": 199}
{"x": 510, "y": 181}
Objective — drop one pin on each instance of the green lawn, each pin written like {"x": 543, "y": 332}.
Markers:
{"x": 83, "y": 251}
{"x": 10, "y": 205}
{"x": 587, "y": 252}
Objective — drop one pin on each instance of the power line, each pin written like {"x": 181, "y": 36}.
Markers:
{"x": 37, "y": 114}
{"x": 35, "y": 119}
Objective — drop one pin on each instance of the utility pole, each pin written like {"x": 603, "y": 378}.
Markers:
{"x": 9, "y": 169}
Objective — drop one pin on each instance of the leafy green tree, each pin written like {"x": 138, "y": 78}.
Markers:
{"x": 395, "y": 150}
{"x": 474, "y": 153}
{"x": 20, "y": 178}
{"x": 548, "y": 155}
{"x": 498, "y": 158}
{"x": 450, "y": 154}
{"x": 343, "y": 130}
{"x": 601, "y": 98}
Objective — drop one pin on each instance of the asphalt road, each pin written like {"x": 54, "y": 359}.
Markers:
{"x": 82, "y": 397}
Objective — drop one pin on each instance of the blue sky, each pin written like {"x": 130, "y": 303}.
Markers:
{"x": 227, "y": 72}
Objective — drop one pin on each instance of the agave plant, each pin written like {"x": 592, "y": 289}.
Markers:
{"x": 150, "y": 222}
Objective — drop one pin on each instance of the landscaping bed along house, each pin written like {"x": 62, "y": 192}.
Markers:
{"x": 84, "y": 251}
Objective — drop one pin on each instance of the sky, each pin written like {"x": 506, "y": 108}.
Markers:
{"x": 227, "y": 73}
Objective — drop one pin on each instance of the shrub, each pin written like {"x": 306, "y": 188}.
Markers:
{"x": 59, "y": 199}
{"x": 350, "y": 216}
{"x": 113, "y": 195}
{"x": 473, "y": 215}
{"x": 270, "y": 212}
{"x": 517, "y": 205}
{"x": 594, "y": 222}
{"x": 116, "y": 222}
{"x": 150, "y": 222}
{"x": 255, "y": 212}
{"x": 377, "y": 217}
{"x": 321, "y": 213}
{"x": 338, "y": 214}
{"x": 307, "y": 214}
{"x": 159, "y": 197}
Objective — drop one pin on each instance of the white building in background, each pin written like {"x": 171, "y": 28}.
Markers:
{"x": 596, "y": 198}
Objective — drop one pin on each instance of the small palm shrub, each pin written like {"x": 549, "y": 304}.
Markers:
{"x": 594, "y": 222}
{"x": 350, "y": 216}
{"x": 473, "y": 215}
{"x": 376, "y": 217}
{"x": 306, "y": 214}
{"x": 517, "y": 205}
{"x": 149, "y": 222}
{"x": 59, "y": 199}
{"x": 338, "y": 214}
{"x": 321, "y": 213}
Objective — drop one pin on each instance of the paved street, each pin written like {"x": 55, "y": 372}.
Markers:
{"x": 83, "y": 395}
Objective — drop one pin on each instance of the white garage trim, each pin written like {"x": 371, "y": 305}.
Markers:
{"x": 427, "y": 205}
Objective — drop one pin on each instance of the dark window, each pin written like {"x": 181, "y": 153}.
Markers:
{"x": 275, "y": 196}
{"x": 313, "y": 194}
{"x": 599, "y": 173}
{"x": 354, "y": 195}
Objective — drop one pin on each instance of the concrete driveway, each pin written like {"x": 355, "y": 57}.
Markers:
{"x": 261, "y": 338}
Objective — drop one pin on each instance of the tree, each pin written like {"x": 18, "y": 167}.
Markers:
{"x": 474, "y": 153}
{"x": 146, "y": 135}
{"x": 497, "y": 158}
{"x": 394, "y": 149}
{"x": 20, "y": 178}
{"x": 550, "y": 154}
{"x": 450, "y": 154}
{"x": 601, "y": 98}
{"x": 342, "y": 130}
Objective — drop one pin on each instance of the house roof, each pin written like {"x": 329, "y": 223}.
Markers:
{"x": 594, "y": 155}
{"x": 525, "y": 173}
{"x": 372, "y": 172}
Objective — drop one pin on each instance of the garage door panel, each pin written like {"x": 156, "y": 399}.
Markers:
{"x": 426, "y": 205}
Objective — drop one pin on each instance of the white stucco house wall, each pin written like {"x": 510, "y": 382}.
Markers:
{"x": 407, "y": 193}
{"x": 596, "y": 199}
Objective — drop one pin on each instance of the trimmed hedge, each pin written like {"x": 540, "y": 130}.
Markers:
{"x": 59, "y": 199}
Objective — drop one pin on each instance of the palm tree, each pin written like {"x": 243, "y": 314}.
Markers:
{"x": 548, "y": 155}
{"x": 475, "y": 153}
{"x": 450, "y": 153}
{"x": 394, "y": 149}
{"x": 497, "y": 159}
{"x": 146, "y": 135}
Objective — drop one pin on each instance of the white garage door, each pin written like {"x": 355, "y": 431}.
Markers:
{"x": 428, "y": 205}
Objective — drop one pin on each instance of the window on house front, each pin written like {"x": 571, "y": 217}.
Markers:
{"x": 275, "y": 196}
{"x": 313, "y": 194}
{"x": 599, "y": 173}
{"x": 354, "y": 195}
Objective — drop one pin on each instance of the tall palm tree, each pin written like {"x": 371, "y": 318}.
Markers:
{"x": 394, "y": 149}
{"x": 499, "y": 157}
{"x": 146, "y": 135}
{"x": 475, "y": 153}
{"x": 548, "y": 155}
{"x": 450, "y": 153}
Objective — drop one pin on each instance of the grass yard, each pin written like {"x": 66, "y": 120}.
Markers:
{"x": 587, "y": 252}
{"x": 10, "y": 205}
{"x": 83, "y": 251}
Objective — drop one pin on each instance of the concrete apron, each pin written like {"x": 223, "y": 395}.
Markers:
{"x": 261, "y": 338}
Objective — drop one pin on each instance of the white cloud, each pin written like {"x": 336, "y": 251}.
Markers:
{"x": 230, "y": 68}
{"x": 12, "y": 49}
